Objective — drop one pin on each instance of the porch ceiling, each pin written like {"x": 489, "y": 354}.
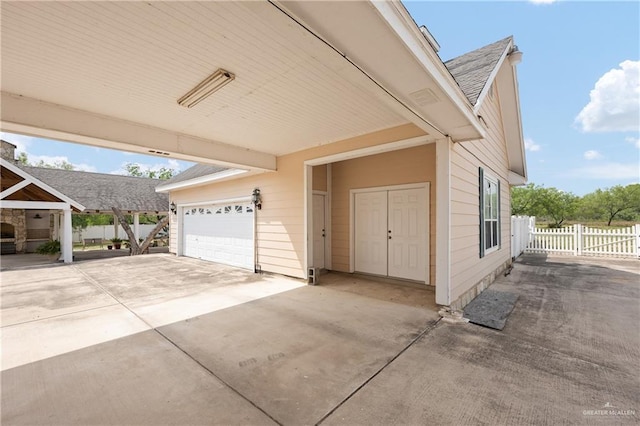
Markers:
{"x": 131, "y": 61}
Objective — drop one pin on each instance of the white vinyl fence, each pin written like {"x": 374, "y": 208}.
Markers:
{"x": 106, "y": 232}
{"x": 580, "y": 240}
{"x": 522, "y": 228}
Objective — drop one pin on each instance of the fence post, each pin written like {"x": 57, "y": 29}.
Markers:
{"x": 637, "y": 245}
{"x": 577, "y": 247}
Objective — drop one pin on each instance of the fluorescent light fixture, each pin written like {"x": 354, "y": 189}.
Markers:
{"x": 214, "y": 82}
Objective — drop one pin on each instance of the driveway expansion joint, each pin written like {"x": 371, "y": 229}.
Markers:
{"x": 423, "y": 333}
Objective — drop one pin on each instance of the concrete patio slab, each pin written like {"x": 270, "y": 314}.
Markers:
{"x": 190, "y": 342}
{"x": 300, "y": 353}
{"x": 45, "y": 292}
{"x": 569, "y": 354}
{"x": 141, "y": 379}
{"x": 37, "y": 340}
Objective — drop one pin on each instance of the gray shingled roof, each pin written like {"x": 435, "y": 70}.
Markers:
{"x": 98, "y": 191}
{"x": 193, "y": 172}
{"x": 472, "y": 70}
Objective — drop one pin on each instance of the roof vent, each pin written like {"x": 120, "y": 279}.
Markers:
{"x": 424, "y": 97}
{"x": 432, "y": 41}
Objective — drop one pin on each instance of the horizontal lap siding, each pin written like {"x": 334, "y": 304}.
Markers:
{"x": 320, "y": 178}
{"x": 275, "y": 224}
{"x": 280, "y": 223}
{"x": 467, "y": 269}
{"x": 412, "y": 165}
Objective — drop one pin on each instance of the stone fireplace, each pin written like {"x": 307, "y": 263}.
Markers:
{"x": 14, "y": 230}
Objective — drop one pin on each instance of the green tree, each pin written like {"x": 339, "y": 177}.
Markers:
{"x": 163, "y": 173}
{"x": 23, "y": 159}
{"x": 557, "y": 205}
{"x": 609, "y": 203}
{"x": 525, "y": 200}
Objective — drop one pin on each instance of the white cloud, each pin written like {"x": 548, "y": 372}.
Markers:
{"x": 608, "y": 171}
{"x": 530, "y": 145}
{"x": 542, "y": 1}
{"x": 592, "y": 155}
{"x": 21, "y": 142}
{"x": 615, "y": 101}
{"x": 635, "y": 141}
{"x": 48, "y": 159}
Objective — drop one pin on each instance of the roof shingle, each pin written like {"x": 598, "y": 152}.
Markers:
{"x": 98, "y": 191}
{"x": 193, "y": 172}
{"x": 472, "y": 70}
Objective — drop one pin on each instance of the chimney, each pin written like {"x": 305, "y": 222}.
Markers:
{"x": 8, "y": 151}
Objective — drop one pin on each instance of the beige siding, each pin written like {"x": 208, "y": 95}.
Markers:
{"x": 411, "y": 165}
{"x": 280, "y": 223}
{"x": 467, "y": 269}
{"x": 320, "y": 178}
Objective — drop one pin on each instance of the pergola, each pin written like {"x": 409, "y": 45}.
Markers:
{"x": 20, "y": 190}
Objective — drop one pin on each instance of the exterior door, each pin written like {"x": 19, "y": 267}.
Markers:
{"x": 391, "y": 233}
{"x": 319, "y": 230}
{"x": 371, "y": 232}
{"x": 408, "y": 234}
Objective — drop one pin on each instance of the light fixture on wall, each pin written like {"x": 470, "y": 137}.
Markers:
{"x": 211, "y": 84}
{"x": 256, "y": 198}
{"x": 173, "y": 207}
{"x": 37, "y": 216}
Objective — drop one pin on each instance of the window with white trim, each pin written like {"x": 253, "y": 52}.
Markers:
{"x": 489, "y": 213}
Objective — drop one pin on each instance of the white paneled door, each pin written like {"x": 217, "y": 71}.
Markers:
{"x": 371, "y": 232}
{"x": 392, "y": 233}
{"x": 221, "y": 233}
{"x": 319, "y": 230}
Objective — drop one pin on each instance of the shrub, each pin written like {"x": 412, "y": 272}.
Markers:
{"x": 50, "y": 247}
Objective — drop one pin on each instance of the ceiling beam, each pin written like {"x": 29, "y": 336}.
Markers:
{"x": 47, "y": 120}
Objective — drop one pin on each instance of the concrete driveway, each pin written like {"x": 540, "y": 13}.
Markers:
{"x": 163, "y": 340}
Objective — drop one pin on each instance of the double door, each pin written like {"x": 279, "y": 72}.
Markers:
{"x": 392, "y": 233}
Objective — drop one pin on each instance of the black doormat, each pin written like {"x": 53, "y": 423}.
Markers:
{"x": 491, "y": 308}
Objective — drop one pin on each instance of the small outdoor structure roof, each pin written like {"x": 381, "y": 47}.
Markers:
{"x": 23, "y": 190}
{"x": 99, "y": 192}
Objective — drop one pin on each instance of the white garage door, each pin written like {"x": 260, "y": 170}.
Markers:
{"x": 220, "y": 233}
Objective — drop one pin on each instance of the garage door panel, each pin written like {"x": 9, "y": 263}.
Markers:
{"x": 220, "y": 233}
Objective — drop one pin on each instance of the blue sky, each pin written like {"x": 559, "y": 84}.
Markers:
{"x": 579, "y": 88}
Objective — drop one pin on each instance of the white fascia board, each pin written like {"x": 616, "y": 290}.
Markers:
{"x": 399, "y": 19}
{"x": 512, "y": 119}
{"x": 492, "y": 77}
{"x": 34, "y": 205}
{"x": 199, "y": 181}
{"x": 38, "y": 118}
{"x": 31, "y": 179}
